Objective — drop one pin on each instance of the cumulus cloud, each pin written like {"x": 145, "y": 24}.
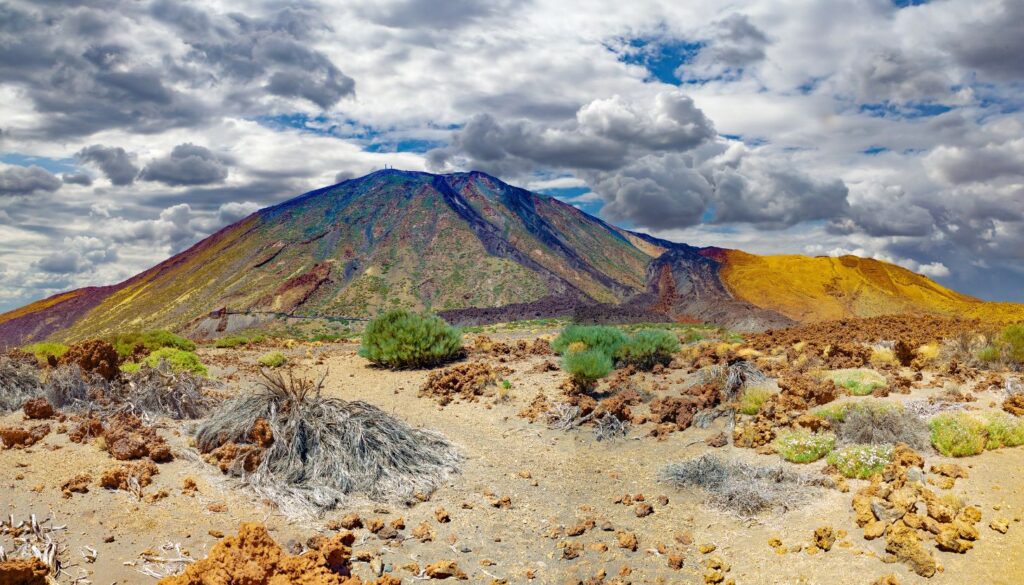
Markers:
{"x": 82, "y": 179}
{"x": 187, "y": 164}
{"x": 734, "y": 44}
{"x": 27, "y": 181}
{"x": 116, "y": 163}
{"x": 992, "y": 161}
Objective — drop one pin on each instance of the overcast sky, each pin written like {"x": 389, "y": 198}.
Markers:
{"x": 131, "y": 129}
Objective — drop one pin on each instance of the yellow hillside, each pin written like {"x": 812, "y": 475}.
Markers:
{"x": 818, "y": 288}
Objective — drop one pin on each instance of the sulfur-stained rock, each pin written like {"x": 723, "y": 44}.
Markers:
{"x": 627, "y": 540}
{"x": 949, "y": 541}
{"x": 1000, "y": 525}
{"x": 824, "y": 538}
{"x": 903, "y": 542}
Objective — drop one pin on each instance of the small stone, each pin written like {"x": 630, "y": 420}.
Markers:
{"x": 643, "y": 509}
{"x": 627, "y": 540}
{"x": 675, "y": 561}
{"x": 441, "y": 515}
{"x": 706, "y": 548}
{"x": 1000, "y": 525}
{"x": 824, "y": 538}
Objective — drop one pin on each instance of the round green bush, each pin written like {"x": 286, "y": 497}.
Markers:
{"x": 648, "y": 347}
{"x": 804, "y": 446}
{"x": 587, "y": 366}
{"x": 179, "y": 360}
{"x": 126, "y": 343}
{"x": 274, "y": 359}
{"x": 400, "y": 339}
{"x": 596, "y": 337}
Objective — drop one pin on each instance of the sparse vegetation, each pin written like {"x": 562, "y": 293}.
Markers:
{"x": 835, "y": 412}
{"x": 648, "y": 347}
{"x": 130, "y": 367}
{"x": 44, "y": 350}
{"x": 587, "y": 367}
{"x": 399, "y": 339}
{"x": 126, "y": 343}
{"x": 179, "y": 360}
{"x": 752, "y": 398}
{"x": 1012, "y": 341}
{"x": 273, "y": 359}
{"x": 860, "y": 461}
{"x": 802, "y": 446}
{"x": 239, "y": 340}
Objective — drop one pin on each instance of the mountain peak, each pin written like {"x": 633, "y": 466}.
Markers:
{"x": 475, "y": 249}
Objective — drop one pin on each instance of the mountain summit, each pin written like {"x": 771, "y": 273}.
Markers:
{"x": 474, "y": 249}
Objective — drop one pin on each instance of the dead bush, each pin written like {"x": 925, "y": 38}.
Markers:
{"x": 746, "y": 490}
{"x": 882, "y": 423}
{"x": 324, "y": 448}
{"x": 19, "y": 382}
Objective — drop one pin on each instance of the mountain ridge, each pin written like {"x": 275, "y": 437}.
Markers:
{"x": 474, "y": 249}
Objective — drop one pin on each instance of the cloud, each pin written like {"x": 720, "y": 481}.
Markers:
{"x": 115, "y": 162}
{"x": 956, "y": 164}
{"x": 733, "y": 45}
{"x": 188, "y": 164}
{"x": 994, "y": 45}
{"x": 27, "y": 181}
{"x": 82, "y": 179}
{"x": 78, "y": 254}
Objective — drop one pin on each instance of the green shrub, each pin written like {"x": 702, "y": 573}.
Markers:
{"x": 835, "y": 412}
{"x": 587, "y": 367}
{"x": 399, "y": 339}
{"x": 957, "y": 434}
{"x": 130, "y": 367}
{"x": 46, "y": 349}
{"x": 1003, "y": 430}
{"x": 860, "y": 461}
{"x": 1012, "y": 340}
{"x": 179, "y": 360}
{"x": 988, "y": 354}
{"x": 274, "y": 359}
{"x": 803, "y": 446}
{"x": 239, "y": 340}
{"x": 859, "y": 381}
{"x": 648, "y": 347}
{"x": 125, "y": 343}
{"x": 605, "y": 339}
{"x": 752, "y": 399}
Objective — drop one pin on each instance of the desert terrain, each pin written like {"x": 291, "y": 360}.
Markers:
{"x": 540, "y": 500}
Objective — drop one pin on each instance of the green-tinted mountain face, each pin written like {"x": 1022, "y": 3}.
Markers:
{"x": 473, "y": 249}
{"x": 390, "y": 239}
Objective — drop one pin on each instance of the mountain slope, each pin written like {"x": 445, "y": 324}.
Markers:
{"x": 474, "y": 249}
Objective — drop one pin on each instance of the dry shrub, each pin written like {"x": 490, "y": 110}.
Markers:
{"x": 19, "y": 381}
{"x": 882, "y": 423}
{"x": 94, "y": 356}
{"x": 324, "y": 448}
{"x": 744, "y": 489}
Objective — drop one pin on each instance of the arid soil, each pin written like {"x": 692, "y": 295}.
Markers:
{"x": 532, "y": 504}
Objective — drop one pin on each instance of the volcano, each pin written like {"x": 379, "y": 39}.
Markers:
{"x": 473, "y": 249}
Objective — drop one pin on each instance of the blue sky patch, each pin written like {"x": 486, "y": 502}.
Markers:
{"x": 661, "y": 57}
{"x": 405, "y": 145}
{"x": 908, "y": 3}
{"x": 54, "y": 165}
{"x": 908, "y": 111}
{"x": 874, "y": 150}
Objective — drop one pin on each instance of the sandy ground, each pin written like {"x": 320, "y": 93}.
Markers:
{"x": 552, "y": 478}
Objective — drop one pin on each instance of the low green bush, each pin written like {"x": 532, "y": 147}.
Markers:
{"x": 860, "y": 461}
{"x": 958, "y": 434}
{"x": 179, "y": 360}
{"x": 647, "y": 348}
{"x": 752, "y": 399}
{"x": 988, "y": 354}
{"x": 859, "y": 381}
{"x": 1012, "y": 340}
{"x": 126, "y": 343}
{"x": 130, "y": 367}
{"x": 1003, "y": 430}
{"x": 274, "y": 359}
{"x": 590, "y": 337}
{"x": 587, "y": 367}
{"x": 400, "y": 339}
{"x": 45, "y": 349}
{"x": 803, "y": 446}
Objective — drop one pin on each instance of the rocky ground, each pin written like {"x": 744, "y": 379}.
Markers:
{"x": 532, "y": 504}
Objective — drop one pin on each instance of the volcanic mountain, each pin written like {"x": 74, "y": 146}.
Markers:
{"x": 474, "y": 249}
